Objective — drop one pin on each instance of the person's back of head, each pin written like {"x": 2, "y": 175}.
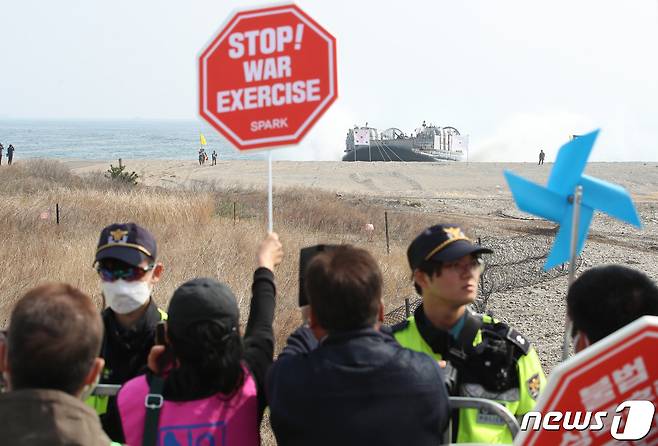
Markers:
{"x": 54, "y": 340}
{"x": 344, "y": 288}
{"x": 203, "y": 333}
{"x": 606, "y": 298}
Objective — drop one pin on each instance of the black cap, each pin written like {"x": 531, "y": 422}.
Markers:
{"x": 127, "y": 242}
{"x": 442, "y": 243}
{"x": 200, "y": 300}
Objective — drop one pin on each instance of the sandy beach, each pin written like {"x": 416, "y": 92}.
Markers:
{"x": 418, "y": 180}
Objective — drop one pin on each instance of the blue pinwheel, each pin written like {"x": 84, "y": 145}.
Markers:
{"x": 555, "y": 201}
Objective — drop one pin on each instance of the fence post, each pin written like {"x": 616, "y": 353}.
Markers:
{"x": 407, "y": 308}
{"x": 119, "y": 163}
{"x": 57, "y": 212}
{"x": 388, "y": 247}
{"x": 234, "y": 214}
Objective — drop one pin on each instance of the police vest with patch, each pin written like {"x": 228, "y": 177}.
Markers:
{"x": 488, "y": 360}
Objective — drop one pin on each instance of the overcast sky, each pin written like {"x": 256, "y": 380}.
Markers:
{"x": 514, "y": 75}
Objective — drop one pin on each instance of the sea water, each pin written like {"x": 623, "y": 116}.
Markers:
{"x": 110, "y": 140}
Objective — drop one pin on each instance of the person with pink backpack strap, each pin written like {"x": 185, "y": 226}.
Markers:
{"x": 210, "y": 390}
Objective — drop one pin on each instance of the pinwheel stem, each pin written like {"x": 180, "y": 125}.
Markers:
{"x": 575, "y": 199}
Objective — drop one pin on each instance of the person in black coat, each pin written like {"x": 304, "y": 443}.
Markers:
{"x": 10, "y": 154}
{"x": 342, "y": 378}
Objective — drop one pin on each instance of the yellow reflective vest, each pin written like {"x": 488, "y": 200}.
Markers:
{"x": 475, "y": 425}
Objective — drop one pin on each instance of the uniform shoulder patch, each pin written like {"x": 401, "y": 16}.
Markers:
{"x": 518, "y": 339}
{"x": 534, "y": 386}
{"x": 400, "y": 326}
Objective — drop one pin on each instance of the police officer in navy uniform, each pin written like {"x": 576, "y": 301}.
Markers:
{"x": 484, "y": 358}
{"x": 128, "y": 270}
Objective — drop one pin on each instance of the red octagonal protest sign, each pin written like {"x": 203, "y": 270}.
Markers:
{"x": 267, "y": 77}
{"x": 607, "y": 394}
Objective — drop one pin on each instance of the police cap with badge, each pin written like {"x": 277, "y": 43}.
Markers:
{"x": 442, "y": 243}
{"x": 127, "y": 242}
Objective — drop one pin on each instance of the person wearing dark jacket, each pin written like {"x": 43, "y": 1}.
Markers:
{"x": 342, "y": 379}
{"x": 128, "y": 271}
{"x": 10, "y": 154}
{"x": 212, "y": 390}
{"x": 50, "y": 358}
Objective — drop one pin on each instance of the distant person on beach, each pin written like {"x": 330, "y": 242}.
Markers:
{"x": 213, "y": 377}
{"x": 606, "y": 298}
{"x": 50, "y": 359}
{"x": 541, "y": 157}
{"x": 10, "y": 154}
{"x": 1, "y": 150}
{"x": 342, "y": 378}
{"x": 128, "y": 271}
{"x": 202, "y": 157}
{"x": 214, "y": 158}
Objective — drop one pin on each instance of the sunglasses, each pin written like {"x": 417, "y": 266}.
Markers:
{"x": 127, "y": 273}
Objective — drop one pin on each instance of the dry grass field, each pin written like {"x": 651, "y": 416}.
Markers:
{"x": 195, "y": 229}
{"x": 202, "y": 230}
{"x": 193, "y": 221}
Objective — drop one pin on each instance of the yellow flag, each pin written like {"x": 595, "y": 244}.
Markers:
{"x": 203, "y": 139}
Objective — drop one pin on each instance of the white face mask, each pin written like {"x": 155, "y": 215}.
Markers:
{"x": 124, "y": 297}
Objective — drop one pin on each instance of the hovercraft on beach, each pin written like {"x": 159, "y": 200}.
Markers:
{"x": 428, "y": 143}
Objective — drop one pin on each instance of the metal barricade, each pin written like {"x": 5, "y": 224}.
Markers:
{"x": 106, "y": 390}
{"x": 456, "y": 402}
{"x": 459, "y": 402}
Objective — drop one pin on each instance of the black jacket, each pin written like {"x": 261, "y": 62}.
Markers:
{"x": 125, "y": 352}
{"x": 358, "y": 387}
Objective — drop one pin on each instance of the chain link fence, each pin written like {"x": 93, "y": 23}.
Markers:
{"x": 516, "y": 263}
